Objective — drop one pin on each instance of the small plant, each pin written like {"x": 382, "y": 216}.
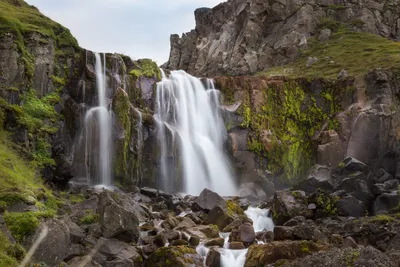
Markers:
{"x": 89, "y": 218}
{"x": 21, "y": 224}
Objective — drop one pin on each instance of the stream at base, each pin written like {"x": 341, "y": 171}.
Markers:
{"x": 237, "y": 258}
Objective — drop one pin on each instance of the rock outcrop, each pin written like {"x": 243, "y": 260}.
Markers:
{"x": 243, "y": 37}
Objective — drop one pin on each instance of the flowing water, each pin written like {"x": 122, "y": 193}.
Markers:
{"x": 188, "y": 115}
{"x": 98, "y": 133}
{"x": 237, "y": 258}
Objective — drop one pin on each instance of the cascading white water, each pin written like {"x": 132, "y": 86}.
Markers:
{"x": 139, "y": 147}
{"x": 98, "y": 123}
{"x": 260, "y": 218}
{"x": 189, "y": 113}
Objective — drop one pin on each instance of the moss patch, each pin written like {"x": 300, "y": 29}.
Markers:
{"x": 146, "y": 67}
{"x": 89, "y": 218}
{"x": 21, "y": 224}
{"x": 357, "y": 52}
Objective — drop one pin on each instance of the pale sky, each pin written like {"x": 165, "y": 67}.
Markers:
{"x": 138, "y": 28}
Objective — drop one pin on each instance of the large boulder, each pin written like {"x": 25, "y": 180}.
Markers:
{"x": 55, "y": 245}
{"x": 386, "y": 202}
{"x": 179, "y": 256}
{"x": 349, "y": 206}
{"x": 118, "y": 217}
{"x": 262, "y": 255}
{"x": 318, "y": 178}
{"x": 208, "y": 200}
{"x": 289, "y": 204}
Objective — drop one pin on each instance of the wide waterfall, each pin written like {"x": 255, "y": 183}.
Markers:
{"x": 98, "y": 133}
{"x": 188, "y": 114}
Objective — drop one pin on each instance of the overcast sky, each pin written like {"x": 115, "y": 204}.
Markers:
{"x": 138, "y": 28}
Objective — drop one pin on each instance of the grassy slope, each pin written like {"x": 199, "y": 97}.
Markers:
{"x": 356, "y": 52}
{"x": 19, "y": 18}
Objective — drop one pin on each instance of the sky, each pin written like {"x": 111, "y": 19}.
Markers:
{"x": 137, "y": 28}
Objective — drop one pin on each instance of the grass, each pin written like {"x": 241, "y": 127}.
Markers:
{"x": 19, "y": 18}
{"x": 146, "y": 67}
{"x": 356, "y": 52}
{"x": 89, "y": 218}
{"x": 9, "y": 253}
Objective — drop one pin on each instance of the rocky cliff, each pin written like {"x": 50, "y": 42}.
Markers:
{"x": 244, "y": 37}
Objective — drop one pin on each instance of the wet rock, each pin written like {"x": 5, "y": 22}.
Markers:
{"x": 159, "y": 241}
{"x": 382, "y": 176}
{"x": 126, "y": 227}
{"x": 287, "y": 205}
{"x": 194, "y": 241}
{"x": 170, "y": 235}
{"x": 295, "y": 221}
{"x": 213, "y": 257}
{"x": 219, "y": 242}
{"x": 149, "y": 249}
{"x": 265, "y": 236}
{"x": 246, "y": 233}
{"x": 154, "y": 193}
{"x": 218, "y": 217}
{"x": 185, "y": 224}
{"x": 179, "y": 242}
{"x": 208, "y": 200}
{"x": 171, "y": 223}
{"x": 236, "y": 245}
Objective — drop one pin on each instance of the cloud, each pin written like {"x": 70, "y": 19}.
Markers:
{"x": 138, "y": 28}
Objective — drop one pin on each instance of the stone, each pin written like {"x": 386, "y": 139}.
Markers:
{"x": 76, "y": 233}
{"x": 382, "y": 176}
{"x": 236, "y": 245}
{"x": 386, "y": 201}
{"x": 252, "y": 192}
{"x": 349, "y": 206}
{"x": 319, "y": 178}
{"x": 208, "y": 200}
{"x": 343, "y": 74}
{"x": 219, "y": 242}
{"x": 324, "y": 35}
{"x": 287, "y": 205}
{"x": 179, "y": 242}
{"x": 126, "y": 227}
{"x": 246, "y": 233}
{"x": 218, "y": 217}
{"x": 311, "y": 61}
{"x": 213, "y": 258}
{"x": 180, "y": 256}
{"x": 194, "y": 241}
{"x": 349, "y": 242}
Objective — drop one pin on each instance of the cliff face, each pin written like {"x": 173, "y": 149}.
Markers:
{"x": 47, "y": 83}
{"x": 243, "y": 37}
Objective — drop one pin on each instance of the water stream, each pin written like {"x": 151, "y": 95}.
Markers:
{"x": 188, "y": 113}
{"x": 98, "y": 133}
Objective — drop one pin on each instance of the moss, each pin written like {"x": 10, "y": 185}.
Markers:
{"x": 233, "y": 208}
{"x": 16, "y": 251}
{"x": 383, "y": 218}
{"x": 21, "y": 224}
{"x": 351, "y": 257}
{"x": 89, "y": 218}
{"x": 246, "y": 117}
{"x": 327, "y": 203}
{"x": 171, "y": 256}
{"x": 357, "y": 52}
{"x": 327, "y": 23}
{"x": 146, "y": 67}
{"x": 304, "y": 247}
{"x": 76, "y": 198}
{"x": 121, "y": 108}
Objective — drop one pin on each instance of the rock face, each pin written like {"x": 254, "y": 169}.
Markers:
{"x": 242, "y": 37}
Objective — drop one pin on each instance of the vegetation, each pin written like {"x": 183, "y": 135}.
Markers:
{"x": 19, "y": 18}
{"x": 89, "y": 218}
{"x": 21, "y": 224}
{"x": 146, "y": 67}
{"x": 10, "y": 254}
{"x": 356, "y": 52}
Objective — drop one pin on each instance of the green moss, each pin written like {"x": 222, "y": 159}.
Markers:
{"x": 246, "y": 117}
{"x": 304, "y": 247}
{"x": 146, "y": 67}
{"x": 20, "y": 18}
{"x": 351, "y": 257}
{"x": 89, "y": 218}
{"x": 357, "y": 52}
{"x": 384, "y": 218}
{"x": 16, "y": 251}
{"x": 76, "y": 198}
{"x": 327, "y": 203}
{"x": 21, "y": 224}
{"x": 233, "y": 208}
{"x": 171, "y": 257}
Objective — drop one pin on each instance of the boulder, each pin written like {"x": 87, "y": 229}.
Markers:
{"x": 289, "y": 204}
{"x": 324, "y": 35}
{"x": 180, "y": 256}
{"x": 349, "y": 206}
{"x": 252, "y": 192}
{"x": 208, "y": 200}
{"x": 218, "y": 217}
{"x": 386, "y": 201}
{"x": 246, "y": 233}
{"x": 319, "y": 178}
{"x": 280, "y": 250}
{"x": 215, "y": 242}
{"x": 124, "y": 228}
{"x": 213, "y": 257}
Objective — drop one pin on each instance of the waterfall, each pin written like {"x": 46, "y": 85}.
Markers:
{"x": 98, "y": 133}
{"x": 188, "y": 113}
{"x": 139, "y": 147}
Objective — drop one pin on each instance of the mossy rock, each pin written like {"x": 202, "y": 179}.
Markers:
{"x": 21, "y": 224}
{"x": 179, "y": 256}
{"x": 262, "y": 255}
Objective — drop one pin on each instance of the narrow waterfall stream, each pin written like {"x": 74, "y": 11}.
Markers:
{"x": 237, "y": 258}
{"x": 188, "y": 113}
{"x": 98, "y": 133}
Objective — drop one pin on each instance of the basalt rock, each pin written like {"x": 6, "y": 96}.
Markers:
{"x": 244, "y": 37}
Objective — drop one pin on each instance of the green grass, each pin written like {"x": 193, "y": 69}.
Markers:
{"x": 5, "y": 250}
{"x": 356, "y": 52}
{"x": 89, "y": 218}
{"x": 19, "y": 18}
{"x": 21, "y": 224}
